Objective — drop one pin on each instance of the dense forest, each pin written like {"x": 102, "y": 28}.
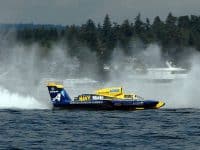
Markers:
{"x": 172, "y": 35}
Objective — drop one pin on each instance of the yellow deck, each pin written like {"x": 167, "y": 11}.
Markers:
{"x": 115, "y": 92}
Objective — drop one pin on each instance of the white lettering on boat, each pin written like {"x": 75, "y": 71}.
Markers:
{"x": 97, "y": 97}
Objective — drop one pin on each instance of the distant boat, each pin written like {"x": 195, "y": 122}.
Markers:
{"x": 157, "y": 74}
{"x": 164, "y": 74}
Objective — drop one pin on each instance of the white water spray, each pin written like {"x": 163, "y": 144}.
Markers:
{"x": 176, "y": 94}
{"x": 20, "y": 62}
{"x": 22, "y": 69}
{"x": 16, "y": 101}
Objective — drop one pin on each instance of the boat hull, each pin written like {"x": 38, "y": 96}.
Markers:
{"x": 111, "y": 105}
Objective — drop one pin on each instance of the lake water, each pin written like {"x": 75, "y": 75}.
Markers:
{"x": 78, "y": 129}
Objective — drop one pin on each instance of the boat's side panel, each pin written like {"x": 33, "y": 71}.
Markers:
{"x": 110, "y": 105}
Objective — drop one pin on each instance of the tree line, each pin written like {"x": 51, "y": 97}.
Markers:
{"x": 172, "y": 35}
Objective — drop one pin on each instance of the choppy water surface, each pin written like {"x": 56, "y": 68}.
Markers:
{"x": 77, "y": 129}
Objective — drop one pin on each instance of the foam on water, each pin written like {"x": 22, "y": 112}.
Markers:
{"x": 10, "y": 100}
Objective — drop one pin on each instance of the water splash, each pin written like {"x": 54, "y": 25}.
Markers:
{"x": 183, "y": 93}
{"x": 16, "y": 101}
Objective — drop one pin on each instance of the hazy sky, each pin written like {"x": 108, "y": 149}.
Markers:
{"x": 78, "y": 11}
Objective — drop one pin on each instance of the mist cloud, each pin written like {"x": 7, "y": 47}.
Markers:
{"x": 182, "y": 93}
{"x": 25, "y": 68}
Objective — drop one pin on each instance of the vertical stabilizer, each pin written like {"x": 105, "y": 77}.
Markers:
{"x": 58, "y": 94}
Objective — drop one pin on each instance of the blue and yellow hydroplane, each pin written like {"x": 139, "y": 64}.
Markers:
{"x": 104, "y": 99}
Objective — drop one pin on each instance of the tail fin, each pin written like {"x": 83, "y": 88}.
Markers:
{"x": 58, "y": 94}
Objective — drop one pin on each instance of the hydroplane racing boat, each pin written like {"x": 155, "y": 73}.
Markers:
{"x": 104, "y": 99}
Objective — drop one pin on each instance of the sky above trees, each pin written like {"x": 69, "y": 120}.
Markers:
{"x": 77, "y": 11}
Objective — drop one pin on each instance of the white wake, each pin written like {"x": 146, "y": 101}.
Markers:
{"x": 10, "y": 100}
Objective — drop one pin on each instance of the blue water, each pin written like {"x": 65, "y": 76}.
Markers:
{"x": 78, "y": 129}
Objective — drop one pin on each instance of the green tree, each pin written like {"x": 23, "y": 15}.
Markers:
{"x": 158, "y": 29}
{"x": 126, "y": 33}
{"x": 88, "y": 34}
{"x": 107, "y": 39}
{"x": 195, "y": 31}
{"x": 139, "y": 25}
